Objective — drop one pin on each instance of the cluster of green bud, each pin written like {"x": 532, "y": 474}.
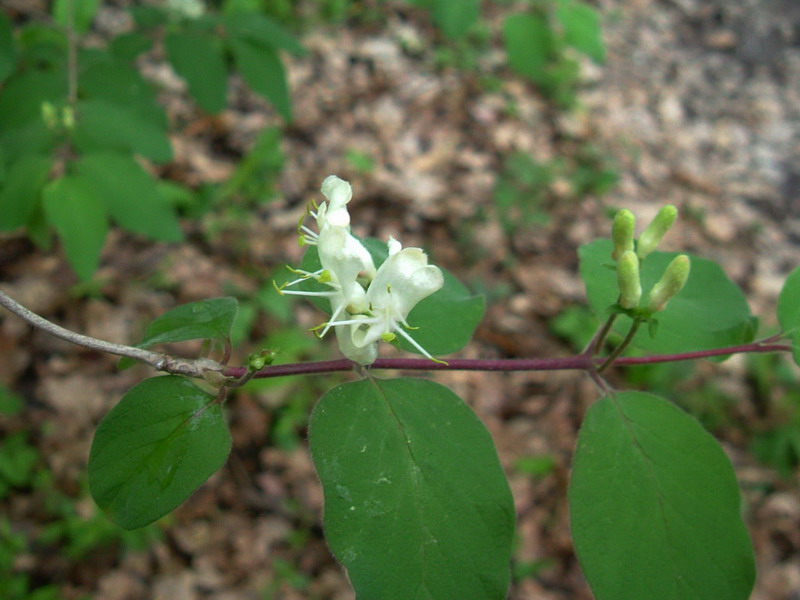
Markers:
{"x": 258, "y": 360}
{"x": 629, "y": 261}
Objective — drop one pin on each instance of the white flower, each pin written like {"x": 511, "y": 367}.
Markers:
{"x": 366, "y": 305}
{"x": 332, "y": 213}
{"x": 402, "y": 281}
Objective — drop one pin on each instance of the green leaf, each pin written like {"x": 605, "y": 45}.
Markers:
{"x": 148, "y": 15}
{"x": 199, "y": 59}
{"x": 529, "y": 44}
{"x": 155, "y": 448}
{"x": 416, "y": 502}
{"x": 83, "y": 12}
{"x": 21, "y": 190}
{"x": 710, "y": 312}
{"x": 456, "y": 18}
{"x": 263, "y": 71}
{"x": 8, "y": 52}
{"x": 105, "y": 126}
{"x": 115, "y": 81}
{"x": 655, "y": 508}
{"x": 445, "y": 321}
{"x": 789, "y": 303}
{"x": 23, "y": 94}
{"x": 10, "y": 403}
{"x": 259, "y": 29}
{"x": 582, "y": 28}
{"x": 79, "y": 215}
{"x": 128, "y": 46}
{"x": 207, "y": 319}
{"x": 789, "y": 311}
{"x": 131, "y": 195}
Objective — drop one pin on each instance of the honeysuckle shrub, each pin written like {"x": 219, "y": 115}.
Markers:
{"x": 416, "y": 501}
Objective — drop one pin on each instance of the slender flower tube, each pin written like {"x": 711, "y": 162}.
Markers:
{"x": 622, "y": 232}
{"x": 630, "y": 287}
{"x": 672, "y": 281}
{"x": 652, "y": 236}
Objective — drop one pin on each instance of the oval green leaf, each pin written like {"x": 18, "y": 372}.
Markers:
{"x": 155, "y": 448}
{"x": 416, "y": 501}
{"x": 654, "y": 506}
{"x": 710, "y": 312}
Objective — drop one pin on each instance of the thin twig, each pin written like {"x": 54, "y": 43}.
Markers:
{"x": 162, "y": 362}
{"x": 200, "y": 367}
{"x": 622, "y": 346}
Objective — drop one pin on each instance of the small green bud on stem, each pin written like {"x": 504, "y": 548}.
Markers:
{"x": 630, "y": 287}
{"x": 622, "y": 232}
{"x": 652, "y": 236}
{"x": 672, "y": 282}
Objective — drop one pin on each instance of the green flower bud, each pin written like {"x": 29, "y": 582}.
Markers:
{"x": 652, "y": 236}
{"x": 622, "y": 232}
{"x": 630, "y": 287}
{"x": 672, "y": 282}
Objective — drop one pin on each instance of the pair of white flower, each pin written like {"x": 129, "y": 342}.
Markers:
{"x": 367, "y": 304}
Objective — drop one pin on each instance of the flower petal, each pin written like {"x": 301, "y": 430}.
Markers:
{"x": 338, "y": 192}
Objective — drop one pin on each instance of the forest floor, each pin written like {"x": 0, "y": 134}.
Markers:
{"x": 698, "y": 105}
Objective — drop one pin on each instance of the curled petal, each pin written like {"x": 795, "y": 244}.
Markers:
{"x": 338, "y": 192}
{"x": 363, "y": 355}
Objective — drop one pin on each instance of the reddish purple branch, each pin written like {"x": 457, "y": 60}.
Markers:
{"x": 581, "y": 362}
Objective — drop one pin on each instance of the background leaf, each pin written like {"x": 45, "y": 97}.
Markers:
{"x": 655, "y": 507}
{"x": 582, "y": 28}
{"x": 83, "y": 12}
{"x": 259, "y": 29}
{"x": 207, "y": 319}
{"x": 103, "y": 126}
{"x": 21, "y": 190}
{"x": 529, "y": 44}
{"x": 710, "y": 312}
{"x": 131, "y": 195}
{"x": 456, "y": 18}
{"x": 789, "y": 303}
{"x": 155, "y": 448}
{"x": 789, "y": 311}
{"x": 117, "y": 82}
{"x": 263, "y": 71}
{"x": 416, "y": 502}
{"x": 8, "y": 53}
{"x": 79, "y": 216}
{"x": 199, "y": 59}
